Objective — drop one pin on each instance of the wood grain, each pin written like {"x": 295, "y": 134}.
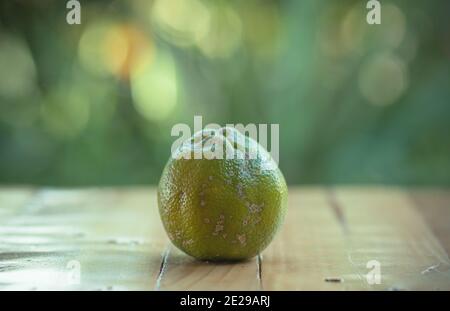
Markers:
{"x": 184, "y": 273}
{"x": 384, "y": 226}
{"x": 116, "y": 237}
{"x": 12, "y": 199}
{"x": 434, "y": 205}
{"x": 310, "y": 251}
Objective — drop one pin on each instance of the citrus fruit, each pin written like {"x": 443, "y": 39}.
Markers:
{"x": 225, "y": 208}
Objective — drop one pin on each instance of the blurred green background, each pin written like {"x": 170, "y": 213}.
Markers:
{"x": 93, "y": 104}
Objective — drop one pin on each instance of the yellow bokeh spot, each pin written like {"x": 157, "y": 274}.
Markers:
{"x": 393, "y": 26}
{"x": 18, "y": 70}
{"x": 182, "y": 22}
{"x": 224, "y": 34}
{"x": 383, "y": 79}
{"x": 154, "y": 88}
{"x": 262, "y": 23}
{"x": 65, "y": 112}
{"x": 19, "y": 93}
{"x": 111, "y": 48}
{"x": 115, "y": 47}
{"x": 353, "y": 30}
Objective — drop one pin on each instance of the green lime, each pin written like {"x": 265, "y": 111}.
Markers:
{"x": 221, "y": 209}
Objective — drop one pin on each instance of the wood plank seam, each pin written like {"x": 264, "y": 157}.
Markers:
{"x": 385, "y": 226}
{"x": 341, "y": 217}
{"x": 419, "y": 207}
{"x": 337, "y": 210}
{"x": 163, "y": 267}
{"x": 259, "y": 275}
{"x": 442, "y": 255}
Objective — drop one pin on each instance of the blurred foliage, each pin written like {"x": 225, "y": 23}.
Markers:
{"x": 93, "y": 104}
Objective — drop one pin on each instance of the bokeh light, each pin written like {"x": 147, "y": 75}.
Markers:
{"x": 393, "y": 28}
{"x": 224, "y": 33}
{"x": 108, "y": 47}
{"x": 182, "y": 22}
{"x": 18, "y": 71}
{"x": 65, "y": 112}
{"x": 154, "y": 87}
{"x": 383, "y": 79}
{"x": 94, "y": 103}
{"x": 354, "y": 29}
{"x": 263, "y": 27}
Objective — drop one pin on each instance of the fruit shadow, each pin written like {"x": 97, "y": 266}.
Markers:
{"x": 179, "y": 258}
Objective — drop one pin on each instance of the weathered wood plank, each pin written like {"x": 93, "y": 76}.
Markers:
{"x": 12, "y": 199}
{"x": 182, "y": 272}
{"x": 384, "y": 226}
{"x": 117, "y": 239}
{"x": 113, "y": 236}
{"x": 127, "y": 243}
{"x": 310, "y": 251}
{"x": 434, "y": 206}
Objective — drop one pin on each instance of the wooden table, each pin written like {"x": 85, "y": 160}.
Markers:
{"x": 112, "y": 239}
